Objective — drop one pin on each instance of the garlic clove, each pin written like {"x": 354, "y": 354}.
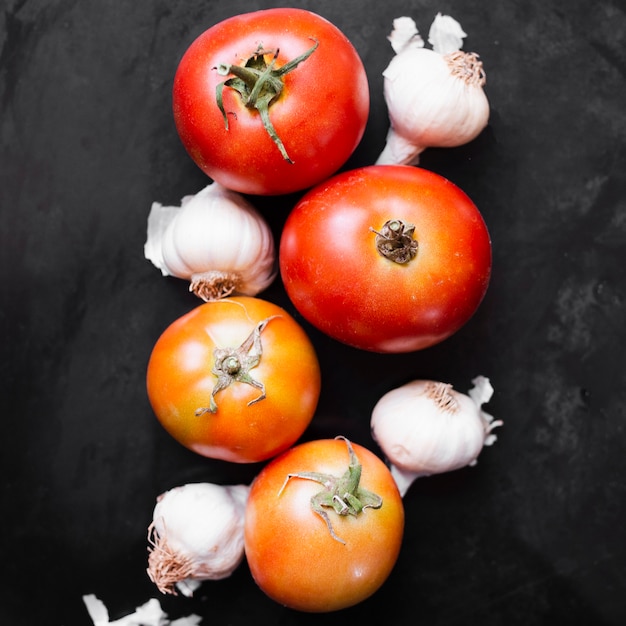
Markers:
{"x": 435, "y": 98}
{"x": 426, "y": 427}
{"x": 216, "y": 240}
{"x": 196, "y": 534}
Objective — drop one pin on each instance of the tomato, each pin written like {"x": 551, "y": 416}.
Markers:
{"x": 235, "y": 379}
{"x": 386, "y": 258}
{"x": 308, "y": 543}
{"x": 318, "y": 108}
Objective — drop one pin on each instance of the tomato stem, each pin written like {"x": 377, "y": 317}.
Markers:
{"x": 395, "y": 241}
{"x": 234, "y": 365}
{"x": 259, "y": 84}
{"x": 342, "y": 494}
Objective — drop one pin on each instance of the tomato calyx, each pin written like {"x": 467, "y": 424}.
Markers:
{"x": 342, "y": 494}
{"x": 234, "y": 364}
{"x": 259, "y": 84}
{"x": 395, "y": 241}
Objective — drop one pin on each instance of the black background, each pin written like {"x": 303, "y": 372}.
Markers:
{"x": 534, "y": 534}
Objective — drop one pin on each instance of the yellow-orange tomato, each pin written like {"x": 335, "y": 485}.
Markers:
{"x": 236, "y": 379}
{"x": 308, "y": 544}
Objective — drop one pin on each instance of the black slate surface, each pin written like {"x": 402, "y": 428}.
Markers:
{"x": 534, "y": 534}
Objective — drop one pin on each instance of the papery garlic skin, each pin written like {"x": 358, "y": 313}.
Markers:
{"x": 445, "y": 34}
{"x": 148, "y": 614}
{"x": 426, "y": 427}
{"x": 435, "y": 98}
{"x": 217, "y": 240}
{"x": 196, "y": 534}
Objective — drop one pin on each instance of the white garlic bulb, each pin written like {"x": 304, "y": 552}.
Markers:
{"x": 426, "y": 427}
{"x": 196, "y": 534}
{"x": 435, "y": 98}
{"x": 217, "y": 240}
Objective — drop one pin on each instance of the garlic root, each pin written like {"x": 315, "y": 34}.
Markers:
{"x": 214, "y": 285}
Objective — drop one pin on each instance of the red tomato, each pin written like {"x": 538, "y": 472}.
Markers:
{"x": 432, "y": 279}
{"x": 308, "y": 544}
{"x": 319, "y": 113}
{"x": 236, "y": 379}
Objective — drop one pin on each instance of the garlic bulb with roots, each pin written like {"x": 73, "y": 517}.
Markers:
{"x": 426, "y": 427}
{"x": 435, "y": 98}
{"x": 196, "y": 534}
{"x": 217, "y": 240}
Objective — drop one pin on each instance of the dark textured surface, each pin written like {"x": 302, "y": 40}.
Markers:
{"x": 534, "y": 534}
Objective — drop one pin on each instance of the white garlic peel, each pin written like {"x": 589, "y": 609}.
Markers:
{"x": 216, "y": 240}
{"x": 148, "y": 614}
{"x": 196, "y": 534}
{"x": 426, "y": 427}
{"x": 435, "y": 97}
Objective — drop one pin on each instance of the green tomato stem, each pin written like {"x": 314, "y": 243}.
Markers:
{"x": 259, "y": 84}
{"x": 342, "y": 495}
{"x": 234, "y": 364}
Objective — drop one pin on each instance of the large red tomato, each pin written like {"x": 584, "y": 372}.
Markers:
{"x": 235, "y": 379}
{"x": 323, "y": 526}
{"x": 386, "y": 258}
{"x": 316, "y": 98}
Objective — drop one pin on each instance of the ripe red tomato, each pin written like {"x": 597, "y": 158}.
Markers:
{"x": 386, "y": 258}
{"x": 236, "y": 379}
{"x": 319, "y": 113}
{"x": 309, "y": 543}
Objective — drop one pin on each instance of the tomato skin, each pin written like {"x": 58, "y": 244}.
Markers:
{"x": 179, "y": 381}
{"x": 290, "y": 552}
{"x": 320, "y": 115}
{"x": 339, "y": 282}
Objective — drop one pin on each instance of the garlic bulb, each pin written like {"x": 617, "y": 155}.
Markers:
{"x": 435, "y": 98}
{"x": 426, "y": 427}
{"x": 196, "y": 534}
{"x": 217, "y": 240}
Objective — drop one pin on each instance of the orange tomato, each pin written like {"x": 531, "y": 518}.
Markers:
{"x": 308, "y": 544}
{"x": 236, "y": 379}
